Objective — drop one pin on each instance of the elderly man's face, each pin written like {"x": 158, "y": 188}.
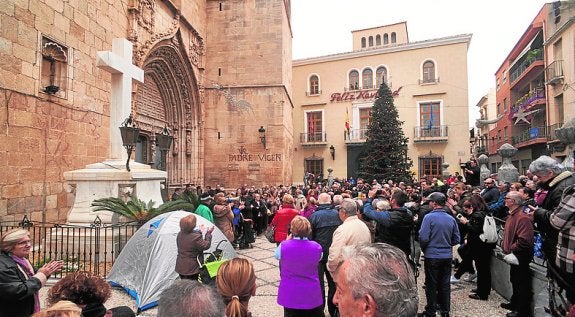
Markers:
{"x": 343, "y": 298}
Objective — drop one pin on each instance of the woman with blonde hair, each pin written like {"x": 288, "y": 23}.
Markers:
{"x": 223, "y": 216}
{"x": 63, "y": 308}
{"x": 283, "y": 218}
{"x": 236, "y": 283}
{"x": 19, "y": 284}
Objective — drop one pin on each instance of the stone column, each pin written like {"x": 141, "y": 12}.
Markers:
{"x": 507, "y": 172}
{"x": 566, "y": 134}
{"x": 444, "y": 172}
{"x": 482, "y": 160}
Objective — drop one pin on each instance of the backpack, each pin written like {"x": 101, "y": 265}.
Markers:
{"x": 489, "y": 234}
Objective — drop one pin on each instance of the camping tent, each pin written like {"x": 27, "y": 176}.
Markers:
{"x": 145, "y": 267}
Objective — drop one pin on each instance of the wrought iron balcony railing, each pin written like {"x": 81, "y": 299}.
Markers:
{"x": 313, "y": 138}
{"x": 434, "y": 133}
{"x": 554, "y": 72}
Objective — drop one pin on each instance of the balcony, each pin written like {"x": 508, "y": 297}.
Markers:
{"x": 533, "y": 135}
{"x": 532, "y": 60}
{"x": 313, "y": 139}
{"x": 426, "y": 134}
{"x": 355, "y": 136}
{"x": 554, "y": 72}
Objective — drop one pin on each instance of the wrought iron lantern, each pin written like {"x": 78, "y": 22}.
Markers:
{"x": 262, "y": 132}
{"x": 130, "y": 133}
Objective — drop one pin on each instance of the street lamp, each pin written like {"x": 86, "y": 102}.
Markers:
{"x": 262, "y": 132}
{"x": 332, "y": 152}
{"x": 164, "y": 142}
{"x": 130, "y": 133}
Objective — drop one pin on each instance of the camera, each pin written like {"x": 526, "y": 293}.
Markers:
{"x": 465, "y": 165}
{"x": 232, "y": 199}
{"x": 459, "y": 216}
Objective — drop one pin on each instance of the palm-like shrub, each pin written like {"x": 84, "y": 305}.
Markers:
{"x": 138, "y": 210}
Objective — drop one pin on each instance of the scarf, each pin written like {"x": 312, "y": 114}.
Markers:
{"x": 26, "y": 267}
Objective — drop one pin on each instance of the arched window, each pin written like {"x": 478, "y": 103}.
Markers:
{"x": 381, "y": 75}
{"x": 393, "y": 37}
{"x": 353, "y": 80}
{"x": 314, "y": 85}
{"x": 428, "y": 72}
{"x": 385, "y": 39}
{"x": 378, "y": 40}
{"x": 363, "y": 42}
{"x": 371, "y": 41}
{"x": 367, "y": 79}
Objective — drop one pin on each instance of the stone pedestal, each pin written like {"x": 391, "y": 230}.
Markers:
{"x": 111, "y": 179}
{"x": 566, "y": 134}
{"x": 482, "y": 160}
{"x": 329, "y": 176}
{"x": 507, "y": 172}
{"x": 444, "y": 172}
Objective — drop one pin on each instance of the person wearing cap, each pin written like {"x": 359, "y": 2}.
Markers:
{"x": 438, "y": 234}
{"x": 203, "y": 209}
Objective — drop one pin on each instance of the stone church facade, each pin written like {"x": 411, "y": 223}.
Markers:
{"x": 217, "y": 75}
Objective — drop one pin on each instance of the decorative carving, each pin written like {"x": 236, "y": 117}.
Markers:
{"x": 176, "y": 142}
{"x": 126, "y": 191}
{"x": 197, "y": 49}
{"x": 189, "y": 144}
{"x": 141, "y": 50}
{"x": 153, "y": 147}
{"x": 238, "y": 105}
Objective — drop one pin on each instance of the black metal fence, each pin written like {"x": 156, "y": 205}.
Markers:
{"x": 92, "y": 248}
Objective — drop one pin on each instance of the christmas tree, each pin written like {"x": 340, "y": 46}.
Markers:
{"x": 385, "y": 150}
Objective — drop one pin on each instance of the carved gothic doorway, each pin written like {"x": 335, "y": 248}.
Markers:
{"x": 169, "y": 97}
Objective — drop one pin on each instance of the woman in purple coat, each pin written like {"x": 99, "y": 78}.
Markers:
{"x": 191, "y": 245}
{"x": 299, "y": 291}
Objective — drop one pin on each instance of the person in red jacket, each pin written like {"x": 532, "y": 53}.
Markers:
{"x": 283, "y": 218}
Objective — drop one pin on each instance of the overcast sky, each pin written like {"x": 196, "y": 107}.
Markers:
{"x": 322, "y": 27}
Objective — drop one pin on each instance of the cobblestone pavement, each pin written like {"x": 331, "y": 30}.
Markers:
{"x": 264, "y": 303}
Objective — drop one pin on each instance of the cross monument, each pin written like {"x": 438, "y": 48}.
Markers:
{"x": 118, "y": 62}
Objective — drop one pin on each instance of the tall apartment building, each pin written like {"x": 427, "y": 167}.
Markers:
{"x": 534, "y": 86}
{"x": 333, "y": 96}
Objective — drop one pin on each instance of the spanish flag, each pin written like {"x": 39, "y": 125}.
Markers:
{"x": 347, "y": 121}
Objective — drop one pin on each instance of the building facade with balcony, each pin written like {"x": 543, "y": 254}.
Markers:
{"x": 487, "y": 118}
{"x": 521, "y": 99}
{"x": 333, "y": 96}
{"x": 535, "y": 88}
{"x": 560, "y": 71}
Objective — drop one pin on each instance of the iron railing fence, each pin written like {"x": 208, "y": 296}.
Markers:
{"x": 92, "y": 248}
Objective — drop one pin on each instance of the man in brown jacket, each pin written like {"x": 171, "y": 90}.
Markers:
{"x": 518, "y": 247}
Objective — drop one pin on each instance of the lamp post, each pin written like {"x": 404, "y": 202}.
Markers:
{"x": 130, "y": 133}
{"x": 262, "y": 133}
{"x": 332, "y": 152}
{"x": 164, "y": 142}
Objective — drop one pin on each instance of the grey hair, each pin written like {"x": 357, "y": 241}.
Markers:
{"x": 349, "y": 206}
{"x": 11, "y": 237}
{"x": 324, "y": 198}
{"x": 389, "y": 280}
{"x": 546, "y": 164}
{"x": 517, "y": 198}
{"x": 187, "y": 298}
{"x": 337, "y": 199}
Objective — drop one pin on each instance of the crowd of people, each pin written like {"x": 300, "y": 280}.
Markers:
{"x": 364, "y": 238}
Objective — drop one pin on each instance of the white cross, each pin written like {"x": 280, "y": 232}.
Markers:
{"x": 118, "y": 62}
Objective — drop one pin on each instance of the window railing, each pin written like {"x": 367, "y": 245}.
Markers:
{"x": 316, "y": 137}
{"x": 355, "y": 135}
{"x": 313, "y": 93}
{"x": 428, "y": 81}
{"x": 554, "y": 72}
{"x": 531, "y": 97}
{"x": 433, "y": 132}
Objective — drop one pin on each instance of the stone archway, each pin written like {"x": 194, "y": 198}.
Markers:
{"x": 170, "y": 97}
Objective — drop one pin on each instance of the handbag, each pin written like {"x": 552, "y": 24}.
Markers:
{"x": 489, "y": 234}
{"x": 212, "y": 262}
{"x": 270, "y": 233}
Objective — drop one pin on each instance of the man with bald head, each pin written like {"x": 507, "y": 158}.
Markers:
{"x": 324, "y": 221}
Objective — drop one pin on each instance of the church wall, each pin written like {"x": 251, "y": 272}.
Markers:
{"x": 44, "y": 135}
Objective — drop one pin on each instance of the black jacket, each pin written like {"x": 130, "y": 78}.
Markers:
{"x": 397, "y": 231}
{"x": 16, "y": 290}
